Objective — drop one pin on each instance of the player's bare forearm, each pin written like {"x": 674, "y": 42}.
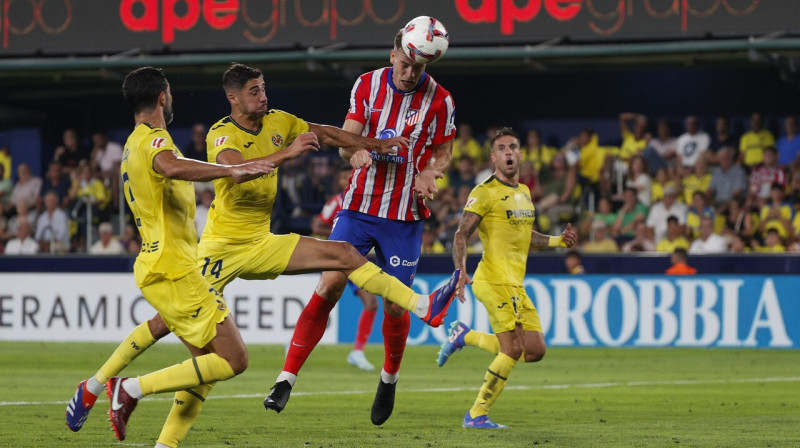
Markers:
{"x": 442, "y": 155}
{"x": 539, "y": 240}
{"x": 169, "y": 165}
{"x": 466, "y": 227}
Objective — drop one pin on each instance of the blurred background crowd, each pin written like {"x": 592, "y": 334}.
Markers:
{"x": 704, "y": 184}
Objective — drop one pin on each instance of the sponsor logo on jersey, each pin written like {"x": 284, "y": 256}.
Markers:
{"x": 220, "y": 140}
{"x": 387, "y": 134}
{"x": 277, "y": 139}
{"x": 522, "y": 213}
{"x": 387, "y": 158}
{"x": 220, "y": 305}
{"x": 247, "y": 145}
{"x": 412, "y": 117}
{"x": 158, "y": 142}
{"x": 395, "y": 261}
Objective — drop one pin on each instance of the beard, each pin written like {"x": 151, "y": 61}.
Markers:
{"x": 168, "y": 114}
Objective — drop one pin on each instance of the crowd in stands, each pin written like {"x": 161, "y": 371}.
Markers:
{"x": 655, "y": 190}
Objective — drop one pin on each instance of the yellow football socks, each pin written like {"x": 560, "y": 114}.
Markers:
{"x": 493, "y": 383}
{"x": 193, "y": 372}
{"x": 371, "y": 278}
{"x": 485, "y": 341}
{"x": 135, "y": 344}
{"x": 185, "y": 410}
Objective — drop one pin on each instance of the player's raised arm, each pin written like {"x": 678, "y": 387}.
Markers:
{"x": 352, "y": 142}
{"x": 425, "y": 184}
{"x": 466, "y": 227}
{"x": 168, "y": 164}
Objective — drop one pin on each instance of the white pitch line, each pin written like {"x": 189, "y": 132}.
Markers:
{"x": 790, "y": 379}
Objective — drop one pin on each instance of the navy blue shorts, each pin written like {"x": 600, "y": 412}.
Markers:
{"x": 397, "y": 243}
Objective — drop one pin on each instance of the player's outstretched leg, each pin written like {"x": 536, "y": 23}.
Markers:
{"x": 454, "y": 341}
{"x": 122, "y": 405}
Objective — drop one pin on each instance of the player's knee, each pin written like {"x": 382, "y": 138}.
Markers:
{"x": 393, "y": 309}
{"x": 157, "y": 327}
{"x": 238, "y": 362}
{"x": 331, "y": 289}
{"x": 350, "y": 257}
{"x": 535, "y": 355}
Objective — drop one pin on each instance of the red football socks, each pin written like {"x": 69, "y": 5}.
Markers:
{"x": 364, "y": 328}
{"x": 395, "y": 333}
{"x": 309, "y": 330}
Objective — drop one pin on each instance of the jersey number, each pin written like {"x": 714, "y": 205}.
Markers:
{"x": 125, "y": 178}
{"x": 216, "y": 268}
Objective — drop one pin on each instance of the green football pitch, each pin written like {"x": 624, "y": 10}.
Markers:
{"x": 575, "y": 397}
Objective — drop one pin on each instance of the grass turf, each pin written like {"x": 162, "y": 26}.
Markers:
{"x": 575, "y": 397}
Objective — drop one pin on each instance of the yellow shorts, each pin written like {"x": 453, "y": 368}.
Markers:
{"x": 264, "y": 259}
{"x": 190, "y": 307}
{"x": 507, "y": 306}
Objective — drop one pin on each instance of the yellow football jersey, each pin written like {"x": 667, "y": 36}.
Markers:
{"x": 242, "y": 212}
{"x": 163, "y": 209}
{"x": 505, "y": 230}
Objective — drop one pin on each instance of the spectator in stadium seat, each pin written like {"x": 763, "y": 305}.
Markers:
{"x": 753, "y": 142}
{"x": 6, "y": 187}
{"x": 692, "y": 144}
{"x": 464, "y": 174}
{"x": 708, "y": 241}
{"x": 633, "y": 141}
{"x": 23, "y": 244}
{"x": 558, "y": 186}
{"x": 572, "y": 262}
{"x": 776, "y": 213}
{"x": 466, "y": 145}
{"x": 727, "y": 180}
{"x": 696, "y": 212}
{"x": 698, "y": 180}
{"x": 639, "y": 179}
{"x": 52, "y": 226}
{"x": 529, "y": 176}
{"x": 723, "y": 138}
{"x": 5, "y": 161}
{"x": 660, "y": 211}
{"x": 430, "y": 245}
{"x": 23, "y": 212}
{"x": 660, "y": 150}
{"x": 772, "y": 242}
{"x": 108, "y": 244}
{"x": 592, "y": 161}
{"x": 674, "y": 238}
{"x": 601, "y": 242}
{"x": 789, "y": 144}
{"x": 739, "y": 244}
{"x": 630, "y": 212}
{"x": 106, "y": 154}
{"x": 641, "y": 242}
{"x": 196, "y": 147}
{"x": 740, "y": 219}
{"x": 766, "y": 175}
{"x": 28, "y": 188}
{"x": 70, "y": 153}
{"x": 604, "y": 212}
{"x": 536, "y": 152}
{"x": 55, "y": 180}
{"x": 679, "y": 260}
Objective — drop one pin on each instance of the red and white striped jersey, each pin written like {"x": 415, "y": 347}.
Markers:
{"x": 426, "y": 116}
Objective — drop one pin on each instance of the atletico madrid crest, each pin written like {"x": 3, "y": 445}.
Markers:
{"x": 412, "y": 117}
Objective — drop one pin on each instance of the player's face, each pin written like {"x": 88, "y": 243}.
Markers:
{"x": 506, "y": 156}
{"x": 252, "y": 99}
{"x": 406, "y": 73}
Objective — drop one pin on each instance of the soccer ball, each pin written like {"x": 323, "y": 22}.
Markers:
{"x": 425, "y": 40}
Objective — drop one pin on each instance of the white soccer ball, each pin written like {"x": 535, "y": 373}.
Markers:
{"x": 425, "y": 40}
